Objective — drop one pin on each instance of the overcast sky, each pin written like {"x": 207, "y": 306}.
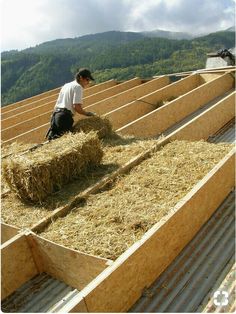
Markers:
{"x": 26, "y": 23}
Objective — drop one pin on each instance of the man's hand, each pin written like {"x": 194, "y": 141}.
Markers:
{"x": 90, "y": 114}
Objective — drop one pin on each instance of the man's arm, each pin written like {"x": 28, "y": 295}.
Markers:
{"x": 80, "y": 110}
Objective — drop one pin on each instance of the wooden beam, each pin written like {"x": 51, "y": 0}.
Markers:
{"x": 17, "y": 264}
{"x": 34, "y": 129}
{"x": 122, "y": 284}
{"x": 43, "y": 105}
{"x": 7, "y": 232}
{"x": 32, "y": 99}
{"x": 136, "y": 109}
{"x": 196, "y": 129}
{"x": 111, "y": 91}
{"x": 74, "y": 268}
{"x": 125, "y": 97}
{"x": 208, "y": 122}
{"x": 157, "y": 121}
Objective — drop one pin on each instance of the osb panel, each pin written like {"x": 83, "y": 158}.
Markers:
{"x": 26, "y": 125}
{"x": 209, "y": 122}
{"x": 120, "y": 99}
{"x": 36, "y": 135}
{"x": 147, "y": 103}
{"x": 118, "y": 287}
{"x": 72, "y": 267}
{"x": 49, "y": 101}
{"x": 7, "y": 232}
{"x": 17, "y": 265}
{"x": 111, "y": 91}
{"x": 159, "y": 120}
{"x": 29, "y": 100}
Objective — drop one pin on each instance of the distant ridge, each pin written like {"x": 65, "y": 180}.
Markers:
{"x": 167, "y": 34}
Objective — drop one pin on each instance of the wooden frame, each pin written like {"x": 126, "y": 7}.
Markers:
{"x": 8, "y": 232}
{"x": 155, "y": 122}
{"x": 146, "y": 104}
{"x": 118, "y": 287}
{"x": 36, "y": 100}
{"x": 27, "y": 255}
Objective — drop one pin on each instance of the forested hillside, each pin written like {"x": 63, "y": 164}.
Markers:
{"x": 118, "y": 55}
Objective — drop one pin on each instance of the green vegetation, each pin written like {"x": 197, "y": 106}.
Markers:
{"x": 118, "y": 55}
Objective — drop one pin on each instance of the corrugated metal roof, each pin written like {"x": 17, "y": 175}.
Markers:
{"x": 185, "y": 283}
{"x": 39, "y": 295}
{"x": 196, "y": 113}
{"x": 226, "y": 134}
{"x": 226, "y": 283}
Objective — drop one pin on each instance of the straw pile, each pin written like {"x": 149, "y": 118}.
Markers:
{"x": 35, "y": 175}
{"x": 113, "y": 220}
{"x": 117, "y": 151}
{"x": 101, "y": 125}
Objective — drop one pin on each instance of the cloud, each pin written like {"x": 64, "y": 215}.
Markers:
{"x": 26, "y": 23}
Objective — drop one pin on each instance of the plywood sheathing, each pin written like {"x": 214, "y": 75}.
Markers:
{"x": 74, "y": 268}
{"x": 17, "y": 264}
{"x": 111, "y": 91}
{"x": 132, "y": 111}
{"x": 160, "y": 119}
{"x": 27, "y": 101}
{"x": 7, "y": 232}
{"x": 43, "y": 105}
{"x": 125, "y": 97}
{"x": 36, "y": 134}
{"x": 208, "y": 122}
{"x": 30, "y": 103}
{"x": 209, "y": 76}
{"x": 25, "y": 125}
{"x": 198, "y": 128}
{"x": 140, "y": 265}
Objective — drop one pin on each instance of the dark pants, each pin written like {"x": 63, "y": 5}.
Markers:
{"x": 61, "y": 122}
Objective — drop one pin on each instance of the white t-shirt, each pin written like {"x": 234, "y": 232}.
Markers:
{"x": 70, "y": 94}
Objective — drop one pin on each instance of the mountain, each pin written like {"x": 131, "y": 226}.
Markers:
{"x": 167, "y": 34}
{"x": 118, "y": 55}
{"x": 231, "y": 29}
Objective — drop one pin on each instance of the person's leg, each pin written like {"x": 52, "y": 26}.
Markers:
{"x": 61, "y": 123}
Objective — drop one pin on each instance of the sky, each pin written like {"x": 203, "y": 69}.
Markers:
{"x": 26, "y": 23}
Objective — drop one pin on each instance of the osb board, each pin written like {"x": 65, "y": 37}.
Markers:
{"x": 17, "y": 264}
{"x": 26, "y": 125}
{"x": 209, "y": 76}
{"x": 31, "y": 103}
{"x": 120, "y": 285}
{"x": 7, "y": 232}
{"x": 23, "y": 125}
{"x": 72, "y": 267}
{"x": 160, "y": 119}
{"x": 129, "y": 112}
{"x": 26, "y": 101}
{"x": 120, "y": 99}
{"x": 20, "y": 117}
{"x": 136, "y": 109}
{"x": 111, "y": 91}
{"x": 36, "y": 135}
{"x": 209, "y": 122}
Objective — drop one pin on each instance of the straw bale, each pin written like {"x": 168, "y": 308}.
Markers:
{"x": 35, "y": 175}
{"x": 14, "y": 148}
{"x": 117, "y": 151}
{"x": 112, "y": 220}
{"x": 101, "y": 125}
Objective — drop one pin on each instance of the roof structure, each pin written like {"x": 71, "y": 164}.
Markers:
{"x": 148, "y": 276}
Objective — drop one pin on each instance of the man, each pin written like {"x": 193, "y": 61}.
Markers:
{"x": 69, "y": 102}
